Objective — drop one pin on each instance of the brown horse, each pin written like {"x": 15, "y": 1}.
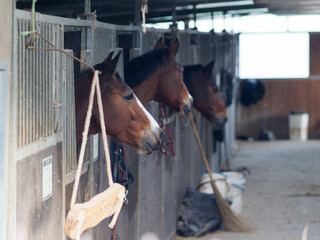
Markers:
{"x": 201, "y": 83}
{"x": 157, "y": 76}
{"x": 125, "y": 117}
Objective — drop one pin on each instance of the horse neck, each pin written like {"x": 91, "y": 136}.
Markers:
{"x": 188, "y": 77}
{"x": 147, "y": 90}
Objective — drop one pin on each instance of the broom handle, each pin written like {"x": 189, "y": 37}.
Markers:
{"x": 204, "y": 158}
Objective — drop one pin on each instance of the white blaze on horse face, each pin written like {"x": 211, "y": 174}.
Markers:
{"x": 188, "y": 101}
{"x": 153, "y": 123}
{"x": 190, "y": 98}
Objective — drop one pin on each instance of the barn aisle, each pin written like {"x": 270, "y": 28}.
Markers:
{"x": 283, "y": 191}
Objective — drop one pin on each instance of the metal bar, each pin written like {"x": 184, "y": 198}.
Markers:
{"x": 87, "y": 6}
{"x": 51, "y": 80}
{"x": 27, "y": 89}
{"x": 33, "y": 93}
{"x": 21, "y": 82}
{"x": 137, "y": 11}
{"x": 37, "y": 92}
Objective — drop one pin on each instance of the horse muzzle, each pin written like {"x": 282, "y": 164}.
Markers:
{"x": 150, "y": 142}
{"x": 219, "y": 121}
{"x": 187, "y": 104}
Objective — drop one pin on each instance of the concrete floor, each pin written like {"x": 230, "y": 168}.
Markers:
{"x": 283, "y": 191}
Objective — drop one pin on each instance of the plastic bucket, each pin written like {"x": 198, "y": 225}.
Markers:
{"x": 298, "y": 126}
{"x": 236, "y": 182}
{"x": 220, "y": 181}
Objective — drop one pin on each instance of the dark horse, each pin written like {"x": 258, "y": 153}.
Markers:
{"x": 125, "y": 117}
{"x": 201, "y": 83}
{"x": 157, "y": 76}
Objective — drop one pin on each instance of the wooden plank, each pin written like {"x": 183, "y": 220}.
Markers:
{"x": 87, "y": 215}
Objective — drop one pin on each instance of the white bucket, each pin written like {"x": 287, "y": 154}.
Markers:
{"x": 236, "y": 181}
{"x": 220, "y": 181}
{"x": 298, "y": 126}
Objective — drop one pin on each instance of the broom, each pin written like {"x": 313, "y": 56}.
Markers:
{"x": 231, "y": 222}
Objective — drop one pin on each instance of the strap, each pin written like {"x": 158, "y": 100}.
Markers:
{"x": 165, "y": 146}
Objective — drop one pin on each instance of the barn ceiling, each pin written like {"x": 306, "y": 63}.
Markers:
{"x": 128, "y": 11}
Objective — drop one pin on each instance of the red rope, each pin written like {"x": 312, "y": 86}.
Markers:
{"x": 114, "y": 235}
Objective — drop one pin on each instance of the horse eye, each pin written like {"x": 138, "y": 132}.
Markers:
{"x": 129, "y": 97}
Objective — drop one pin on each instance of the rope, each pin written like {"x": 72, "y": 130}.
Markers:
{"x": 144, "y": 11}
{"x": 84, "y": 139}
{"x": 95, "y": 85}
{"x": 104, "y": 135}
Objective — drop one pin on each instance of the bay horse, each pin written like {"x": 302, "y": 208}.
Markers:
{"x": 125, "y": 117}
{"x": 201, "y": 83}
{"x": 156, "y": 76}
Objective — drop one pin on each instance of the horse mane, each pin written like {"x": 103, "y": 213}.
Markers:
{"x": 187, "y": 74}
{"x": 140, "y": 68}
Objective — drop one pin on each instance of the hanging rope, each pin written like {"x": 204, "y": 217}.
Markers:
{"x": 85, "y": 215}
{"x": 84, "y": 139}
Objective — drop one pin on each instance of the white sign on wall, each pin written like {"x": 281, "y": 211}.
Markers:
{"x": 46, "y": 178}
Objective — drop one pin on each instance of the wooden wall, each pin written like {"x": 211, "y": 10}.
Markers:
{"x": 283, "y": 95}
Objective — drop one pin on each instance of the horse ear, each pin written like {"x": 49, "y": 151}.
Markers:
{"x": 110, "y": 65}
{"x": 159, "y": 44}
{"x": 173, "y": 49}
{"x": 113, "y": 64}
{"x": 209, "y": 68}
{"x": 108, "y": 58}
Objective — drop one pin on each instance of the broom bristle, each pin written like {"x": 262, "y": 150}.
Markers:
{"x": 231, "y": 221}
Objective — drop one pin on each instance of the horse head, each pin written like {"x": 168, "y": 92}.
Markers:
{"x": 125, "y": 117}
{"x": 201, "y": 82}
{"x": 157, "y": 76}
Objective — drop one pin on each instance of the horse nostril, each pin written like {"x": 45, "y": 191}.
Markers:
{"x": 186, "y": 109}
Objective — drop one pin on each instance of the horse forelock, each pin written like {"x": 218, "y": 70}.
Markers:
{"x": 140, "y": 68}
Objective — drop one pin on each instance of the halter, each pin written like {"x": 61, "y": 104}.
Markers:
{"x": 165, "y": 147}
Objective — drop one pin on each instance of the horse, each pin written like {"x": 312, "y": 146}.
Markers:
{"x": 156, "y": 76}
{"x": 125, "y": 117}
{"x": 201, "y": 83}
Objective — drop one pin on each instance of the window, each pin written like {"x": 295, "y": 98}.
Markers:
{"x": 274, "y": 55}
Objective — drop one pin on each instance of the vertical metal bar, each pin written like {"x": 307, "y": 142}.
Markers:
{"x": 27, "y": 89}
{"x": 45, "y": 99}
{"x": 137, "y": 11}
{"x": 87, "y": 6}
{"x": 42, "y": 84}
{"x": 195, "y": 16}
{"x": 39, "y": 85}
{"x": 174, "y": 12}
{"x": 33, "y": 93}
{"x": 21, "y": 70}
{"x": 36, "y": 92}
{"x": 51, "y": 82}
